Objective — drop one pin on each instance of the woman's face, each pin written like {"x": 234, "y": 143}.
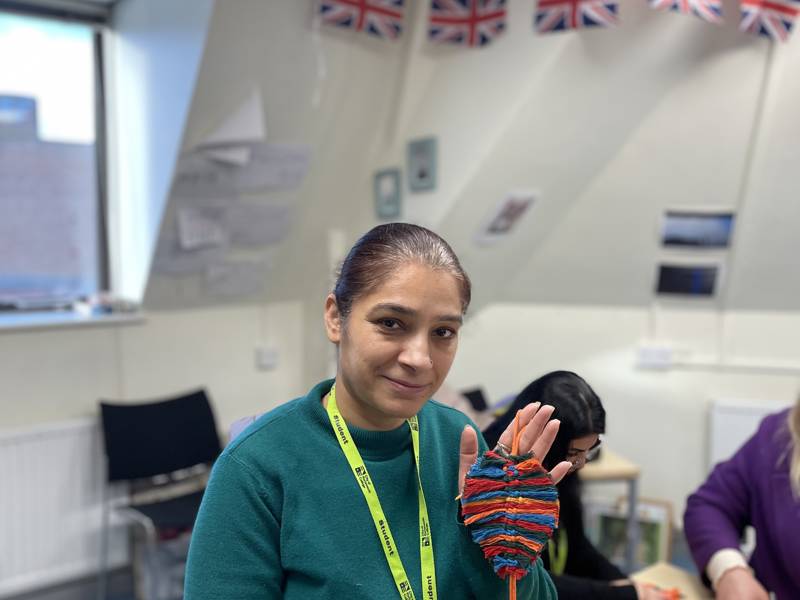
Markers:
{"x": 396, "y": 345}
{"x": 579, "y": 450}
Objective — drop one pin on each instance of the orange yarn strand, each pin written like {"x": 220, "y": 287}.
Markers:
{"x": 512, "y": 581}
{"x": 515, "y": 442}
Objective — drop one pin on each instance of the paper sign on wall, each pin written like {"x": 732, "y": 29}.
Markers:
{"x": 273, "y": 166}
{"x": 198, "y": 177}
{"x": 386, "y": 192}
{"x": 200, "y": 227}
{"x": 244, "y": 125}
{"x": 237, "y": 278}
{"x": 251, "y": 224}
{"x": 506, "y": 216}
{"x": 229, "y": 142}
{"x": 171, "y": 259}
{"x": 422, "y": 164}
{"x": 270, "y": 166}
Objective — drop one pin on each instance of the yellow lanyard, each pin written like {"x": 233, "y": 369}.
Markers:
{"x": 381, "y": 524}
{"x": 558, "y": 556}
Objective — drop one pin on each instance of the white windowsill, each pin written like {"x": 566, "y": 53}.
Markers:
{"x": 21, "y": 321}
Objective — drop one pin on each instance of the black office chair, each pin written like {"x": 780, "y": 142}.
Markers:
{"x": 163, "y": 450}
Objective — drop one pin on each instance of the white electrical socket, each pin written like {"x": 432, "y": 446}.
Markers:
{"x": 266, "y": 357}
{"x": 650, "y": 356}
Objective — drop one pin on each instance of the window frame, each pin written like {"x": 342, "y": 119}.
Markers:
{"x": 95, "y": 16}
{"x": 90, "y": 13}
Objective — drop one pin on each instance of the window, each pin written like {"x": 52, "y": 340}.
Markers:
{"x": 52, "y": 248}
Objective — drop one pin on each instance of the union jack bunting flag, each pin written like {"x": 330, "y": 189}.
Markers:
{"x": 466, "y": 22}
{"x": 771, "y": 18}
{"x": 382, "y": 18}
{"x": 708, "y": 10}
{"x": 560, "y": 15}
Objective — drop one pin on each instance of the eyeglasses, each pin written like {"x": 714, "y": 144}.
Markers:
{"x": 576, "y": 455}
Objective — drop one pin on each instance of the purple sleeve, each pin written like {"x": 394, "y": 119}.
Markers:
{"x": 717, "y": 513}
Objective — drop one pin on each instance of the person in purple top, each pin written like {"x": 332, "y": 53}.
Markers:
{"x": 758, "y": 486}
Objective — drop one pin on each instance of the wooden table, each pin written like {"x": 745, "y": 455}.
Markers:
{"x": 610, "y": 466}
{"x": 665, "y": 575}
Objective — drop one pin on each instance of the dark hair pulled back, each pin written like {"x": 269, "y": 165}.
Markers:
{"x": 387, "y": 247}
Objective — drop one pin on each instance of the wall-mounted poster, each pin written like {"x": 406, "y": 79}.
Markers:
{"x": 505, "y": 217}
{"x": 687, "y": 280}
{"x": 386, "y": 191}
{"x": 422, "y": 164}
{"x": 697, "y": 229}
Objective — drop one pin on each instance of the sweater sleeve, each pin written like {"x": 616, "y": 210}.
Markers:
{"x": 717, "y": 513}
{"x": 537, "y": 585}
{"x": 234, "y": 550}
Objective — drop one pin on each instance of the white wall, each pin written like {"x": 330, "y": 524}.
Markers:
{"x": 611, "y": 127}
{"x": 331, "y": 90}
{"x": 153, "y": 52}
{"x": 189, "y": 340}
{"x": 657, "y": 418}
{"x": 765, "y": 272}
{"x": 57, "y": 374}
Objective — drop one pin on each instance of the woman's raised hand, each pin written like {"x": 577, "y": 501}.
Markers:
{"x": 538, "y": 434}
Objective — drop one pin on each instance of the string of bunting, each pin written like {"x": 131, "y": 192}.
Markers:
{"x": 477, "y": 23}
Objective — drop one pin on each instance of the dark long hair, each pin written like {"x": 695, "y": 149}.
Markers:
{"x": 576, "y": 404}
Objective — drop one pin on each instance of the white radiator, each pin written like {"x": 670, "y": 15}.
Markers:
{"x": 732, "y": 422}
{"x": 50, "y": 494}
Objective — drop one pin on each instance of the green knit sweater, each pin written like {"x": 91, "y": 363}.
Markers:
{"x": 283, "y": 517}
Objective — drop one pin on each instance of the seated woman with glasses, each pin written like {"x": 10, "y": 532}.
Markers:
{"x": 577, "y": 568}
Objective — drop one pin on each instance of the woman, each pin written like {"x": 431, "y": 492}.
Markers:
{"x": 758, "y": 486}
{"x": 349, "y": 491}
{"x": 577, "y": 568}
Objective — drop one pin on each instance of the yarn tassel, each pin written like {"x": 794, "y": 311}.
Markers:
{"x": 510, "y": 506}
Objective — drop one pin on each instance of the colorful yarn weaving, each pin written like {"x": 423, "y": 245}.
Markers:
{"x": 510, "y": 507}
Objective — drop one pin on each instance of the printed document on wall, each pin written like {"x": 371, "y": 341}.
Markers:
{"x": 237, "y": 277}
{"x": 201, "y": 226}
{"x": 505, "y": 217}
{"x": 198, "y": 176}
{"x": 172, "y": 259}
{"x": 251, "y": 224}
{"x": 273, "y": 166}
